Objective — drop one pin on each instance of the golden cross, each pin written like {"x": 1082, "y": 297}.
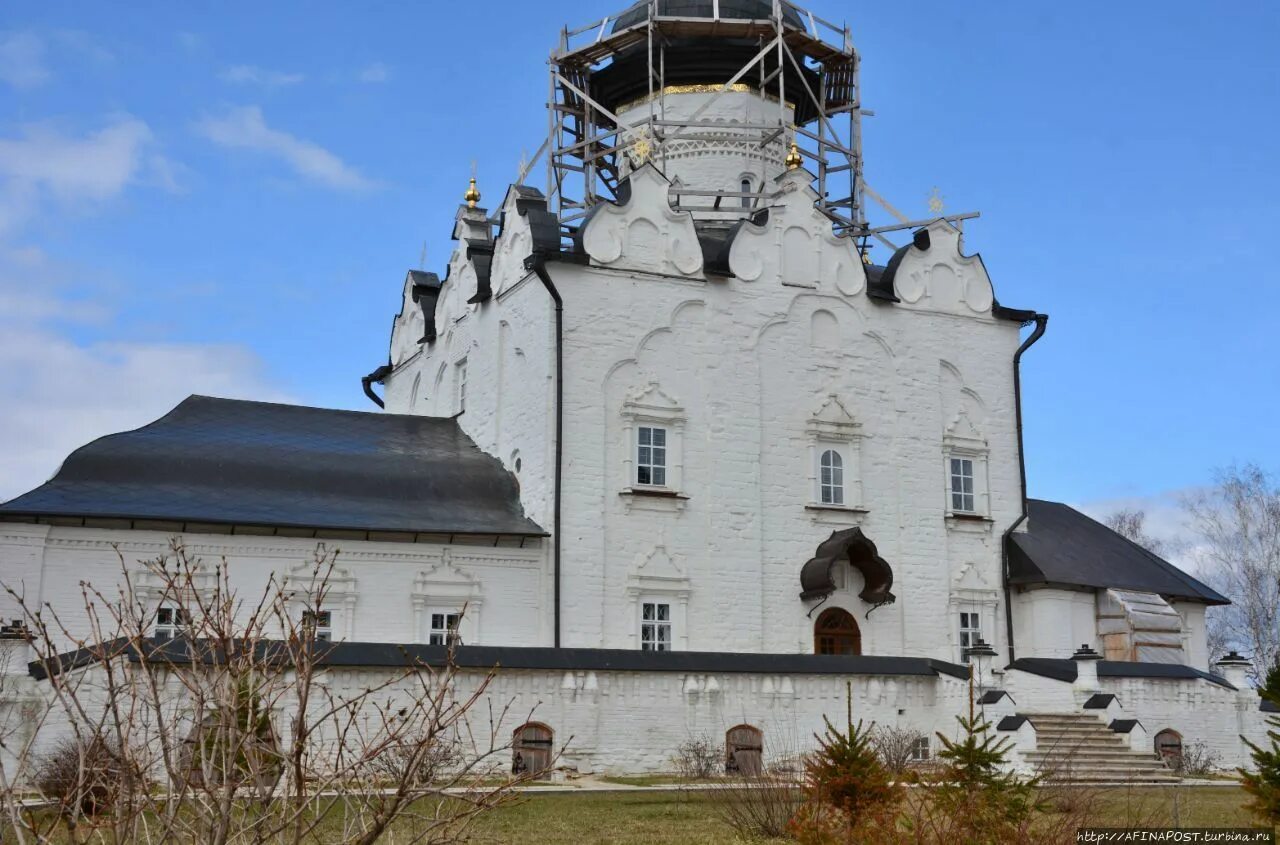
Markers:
{"x": 935, "y": 202}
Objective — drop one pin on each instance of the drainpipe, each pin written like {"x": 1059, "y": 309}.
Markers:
{"x": 538, "y": 263}
{"x": 377, "y": 375}
{"x": 1042, "y": 322}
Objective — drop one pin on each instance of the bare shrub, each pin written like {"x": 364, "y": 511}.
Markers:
{"x": 238, "y": 728}
{"x": 698, "y": 758}
{"x": 896, "y": 747}
{"x": 1196, "y": 760}
{"x": 759, "y": 806}
{"x": 82, "y": 778}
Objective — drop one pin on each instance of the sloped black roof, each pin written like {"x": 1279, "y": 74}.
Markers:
{"x": 231, "y": 461}
{"x": 1063, "y": 546}
{"x": 1064, "y": 669}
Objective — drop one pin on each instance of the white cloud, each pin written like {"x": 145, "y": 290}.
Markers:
{"x": 95, "y": 167}
{"x": 375, "y": 73}
{"x": 42, "y": 164}
{"x": 248, "y": 74}
{"x": 22, "y": 60}
{"x": 245, "y": 128}
{"x": 60, "y": 394}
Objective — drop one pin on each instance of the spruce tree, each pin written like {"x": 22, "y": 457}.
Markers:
{"x": 1263, "y": 784}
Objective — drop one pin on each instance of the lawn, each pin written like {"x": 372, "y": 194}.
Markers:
{"x": 649, "y": 818}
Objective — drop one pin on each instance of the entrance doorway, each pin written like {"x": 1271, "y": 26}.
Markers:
{"x": 836, "y": 632}
{"x": 531, "y": 750}
{"x": 744, "y": 751}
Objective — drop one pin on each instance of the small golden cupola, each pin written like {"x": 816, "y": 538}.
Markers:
{"x": 472, "y": 196}
{"x": 794, "y": 159}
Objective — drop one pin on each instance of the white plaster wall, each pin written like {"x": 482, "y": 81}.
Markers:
{"x": 748, "y": 361}
{"x": 1054, "y": 623}
{"x": 1199, "y": 710}
{"x": 1195, "y": 636}
{"x": 631, "y": 722}
{"x": 503, "y": 584}
{"x": 716, "y": 158}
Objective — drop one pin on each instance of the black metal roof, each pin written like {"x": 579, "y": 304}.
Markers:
{"x": 393, "y": 655}
{"x": 1063, "y": 546}
{"x": 1064, "y": 669}
{"x": 231, "y": 461}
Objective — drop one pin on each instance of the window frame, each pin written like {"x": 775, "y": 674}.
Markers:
{"x": 321, "y": 624}
{"x": 831, "y": 487}
{"x": 959, "y": 462}
{"x": 177, "y": 626}
{"x": 652, "y": 465}
{"x": 451, "y": 633}
{"x": 657, "y": 623}
{"x": 651, "y": 407}
{"x": 921, "y": 749}
{"x": 971, "y": 632}
{"x": 460, "y": 385}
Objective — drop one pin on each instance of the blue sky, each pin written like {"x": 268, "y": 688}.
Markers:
{"x": 224, "y": 198}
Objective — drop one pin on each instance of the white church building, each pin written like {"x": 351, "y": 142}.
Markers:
{"x": 690, "y": 443}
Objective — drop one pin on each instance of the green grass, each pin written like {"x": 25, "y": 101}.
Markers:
{"x": 692, "y": 818}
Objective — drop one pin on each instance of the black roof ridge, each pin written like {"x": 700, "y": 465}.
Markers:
{"x": 1191, "y": 582}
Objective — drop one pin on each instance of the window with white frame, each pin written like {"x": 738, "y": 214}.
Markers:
{"x": 655, "y": 626}
{"x": 920, "y": 749}
{"x": 831, "y": 478}
{"x": 746, "y": 189}
{"x": 318, "y": 624}
{"x": 171, "y": 622}
{"x": 460, "y": 370}
{"x": 970, "y": 632}
{"x": 443, "y": 627}
{"x": 963, "y": 499}
{"x": 651, "y": 456}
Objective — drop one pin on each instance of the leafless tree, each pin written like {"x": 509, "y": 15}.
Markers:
{"x": 238, "y": 729}
{"x": 896, "y": 746}
{"x": 1131, "y": 523}
{"x": 1238, "y": 521}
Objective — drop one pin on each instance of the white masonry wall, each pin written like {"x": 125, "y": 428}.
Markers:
{"x": 378, "y": 592}
{"x": 743, "y": 369}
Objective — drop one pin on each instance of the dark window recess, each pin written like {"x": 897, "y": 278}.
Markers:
{"x": 836, "y": 632}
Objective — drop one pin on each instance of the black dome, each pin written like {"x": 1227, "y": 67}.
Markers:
{"x": 701, "y": 59}
{"x": 760, "y": 10}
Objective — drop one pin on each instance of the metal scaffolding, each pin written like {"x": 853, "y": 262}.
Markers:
{"x": 586, "y": 141}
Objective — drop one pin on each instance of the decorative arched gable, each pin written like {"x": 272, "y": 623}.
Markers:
{"x": 851, "y": 545}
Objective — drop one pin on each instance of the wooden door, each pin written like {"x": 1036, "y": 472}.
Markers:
{"x": 744, "y": 751}
{"x": 531, "y": 750}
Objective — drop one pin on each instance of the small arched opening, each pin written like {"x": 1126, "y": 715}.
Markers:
{"x": 744, "y": 751}
{"x": 836, "y": 632}
{"x": 1169, "y": 747}
{"x": 531, "y": 750}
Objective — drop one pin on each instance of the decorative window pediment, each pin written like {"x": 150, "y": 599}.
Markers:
{"x": 445, "y": 588}
{"x": 318, "y": 589}
{"x": 835, "y": 457}
{"x": 653, "y": 434}
{"x": 961, "y": 433}
{"x": 656, "y": 579}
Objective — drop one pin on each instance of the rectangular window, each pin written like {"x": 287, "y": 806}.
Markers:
{"x": 462, "y": 384}
{"x": 171, "y": 622}
{"x": 962, "y": 500}
{"x": 651, "y": 456}
{"x": 970, "y": 633}
{"x": 920, "y": 749}
{"x": 655, "y": 626}
{"x": 318, "y": 624}
{"x": 444, "y": 628}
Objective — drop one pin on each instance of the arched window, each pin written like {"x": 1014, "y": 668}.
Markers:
{"x": 1169, "y": 746}
{"x": 836, "y": 632}
{"x": 746, "y": 189}
{"x": 531, "y": 750}
{"x": 744, "y": 751}
{"x": 831, "y": 478}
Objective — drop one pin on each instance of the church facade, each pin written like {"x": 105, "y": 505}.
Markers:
{"x": 686, "y": 471}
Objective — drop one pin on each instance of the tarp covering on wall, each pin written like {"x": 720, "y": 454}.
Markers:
{"x": 1139, "y": 626}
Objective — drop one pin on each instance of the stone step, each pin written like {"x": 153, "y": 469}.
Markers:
{"x": 1058, "y": 763}
{"x": 1080, "y": 748}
